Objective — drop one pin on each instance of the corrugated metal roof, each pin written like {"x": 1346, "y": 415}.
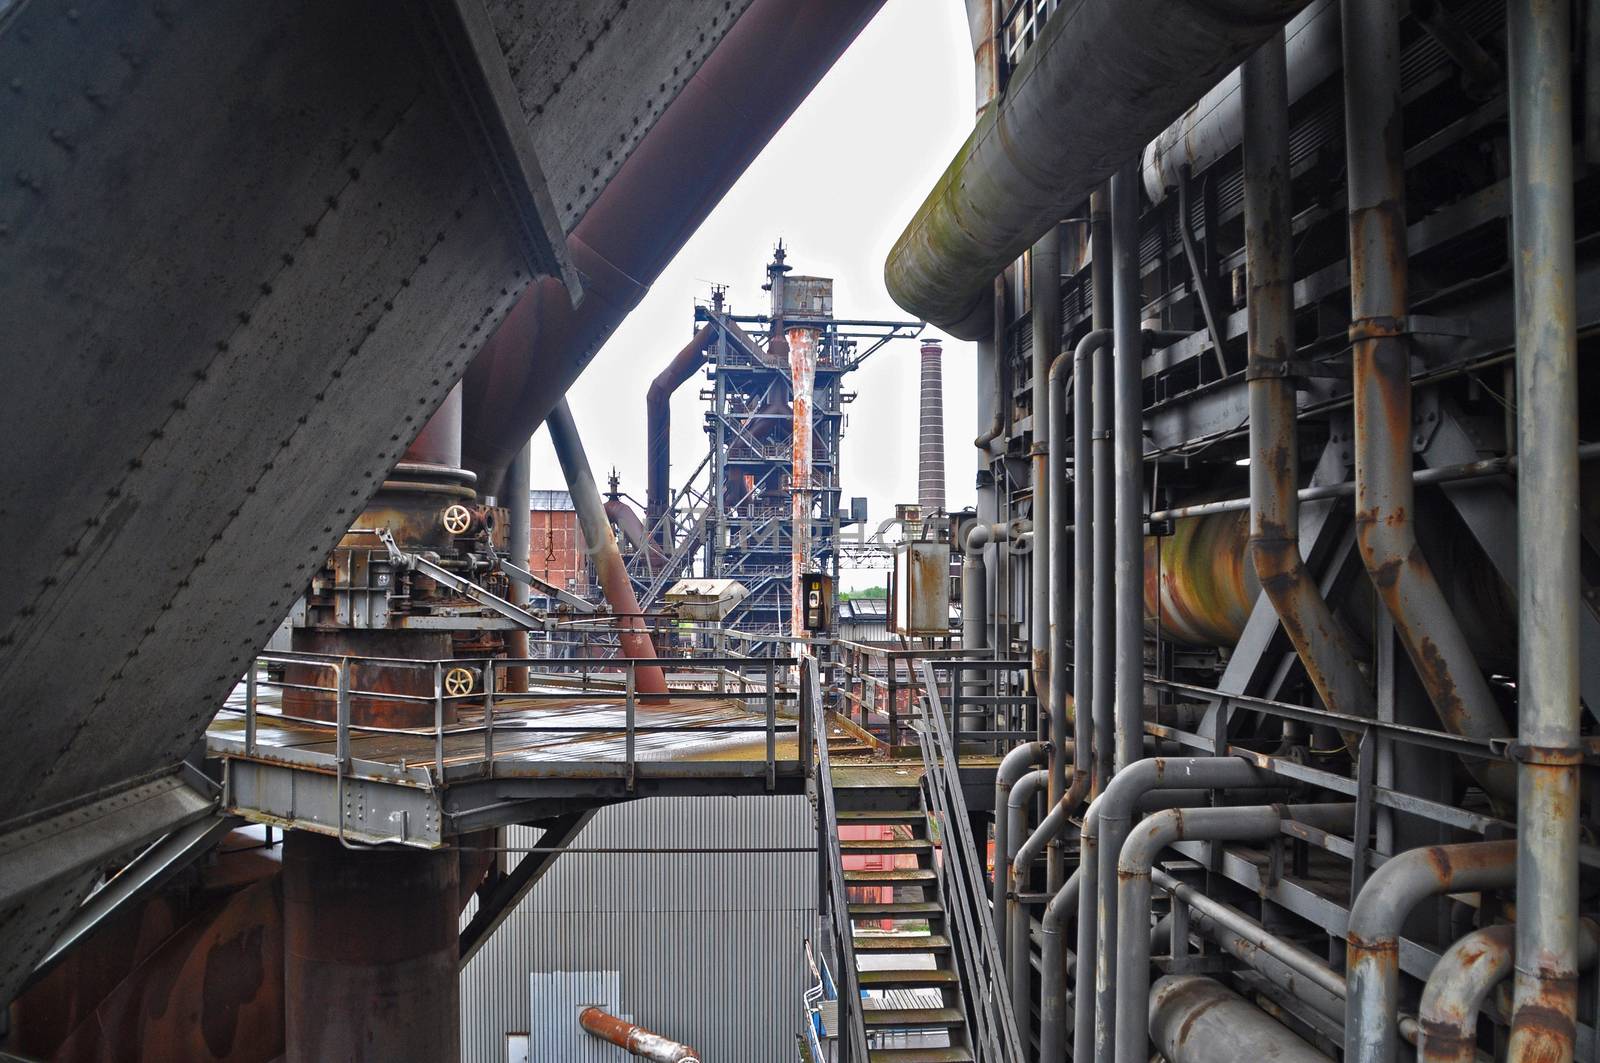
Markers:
{"x": 550, "y": 501}
{"x": 708, "y": 946}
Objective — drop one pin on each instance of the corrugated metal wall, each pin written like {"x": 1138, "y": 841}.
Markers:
{"x": 709, "y": 946}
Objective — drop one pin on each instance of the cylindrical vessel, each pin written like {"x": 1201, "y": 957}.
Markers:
{"x": 930, "y": 432}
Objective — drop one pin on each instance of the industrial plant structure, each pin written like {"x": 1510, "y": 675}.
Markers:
{"x": 1273, "y": 726}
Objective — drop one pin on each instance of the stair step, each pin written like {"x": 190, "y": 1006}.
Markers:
{"x": 897, "y": 910}
{"x": 885, "y": 845}
{"x": 902, "y": 978}
{"x": 914, "y": 815}
{"x": 919, "y": 1055}
{"x": 919, "y": 1017}
{"x": 888, "y": 876}
{"x": 897, "y": 943}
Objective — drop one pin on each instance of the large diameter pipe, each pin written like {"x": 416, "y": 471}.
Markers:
{"x": 1549, "y": 580}
{"x": 658, "y": 429}
{"x": 1372, "y": 953}
{"x": 1139, "y": 853}
{"x": 1018, "y": 762}
{"x": 1385, "y": 496}
{"x": 1105, "y": 827}
{"x": 1087, "y": 96}
{"x": 1318, "y": 638}
{"x": 1194, "y": 1019}
{"x": 634, "y": 1039}
{"x": 1128, "y": 451}
{"x": 602, "y": 545}
{"x": 519, "y": 540}
{"x": 1214, "y": 125}
{"x": 770, "y": 59}
{"x": 1447, "y": 1018}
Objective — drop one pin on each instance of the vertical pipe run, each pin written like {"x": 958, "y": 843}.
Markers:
{"x": 1046, "y": 319}
{"x": 1019, "y": 761}
{"x": 1385, "y": 496}
{"x": 1128, "y": 303}
{"x": 1103, "y": 641}
{"x": 1081, "y": 558}
{"x": 1274, "y": 441}
{"x": 1372, "y": 953}
{"x": 602, "y": 544}
{"x": 802, "y": 378}
{"x": 1545, "y": 986}
{"x": 519, "y": 539}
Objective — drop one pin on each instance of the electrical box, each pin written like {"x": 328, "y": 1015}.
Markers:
{"x": 817, "y": 590}
{"x": 921, "y": 604}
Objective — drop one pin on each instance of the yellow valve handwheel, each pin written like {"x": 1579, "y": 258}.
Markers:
{"x": 457, "y": 519}
{"x": 458, "y": 681}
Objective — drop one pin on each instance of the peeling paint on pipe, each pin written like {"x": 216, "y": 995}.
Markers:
{"x": 1372, "y": 953}
{"x": 634, "y": 1039}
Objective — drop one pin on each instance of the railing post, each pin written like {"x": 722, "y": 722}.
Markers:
{"x": 250, "y": 709}
{"x": 894, "y": 695}
{"x": 341, "y": 741}
{"x": 772, "y": 721}
{"x": 488, "y": 718}
{"x": 438, "y": 717}
{"x": 806, "y": 723}
{"x": 632, "y": 720}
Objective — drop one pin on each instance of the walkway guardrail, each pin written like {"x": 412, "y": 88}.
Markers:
{"x": 830, "y": 874}
{"x": 479, "y": 684}
{"x": 961, "y": 880}
{"x": 998, "y": 721}
{"x": 878, "y": 684}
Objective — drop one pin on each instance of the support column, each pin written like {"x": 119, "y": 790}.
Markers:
{"x": 1128, "y": 451}
{"x": 370, "y": 943}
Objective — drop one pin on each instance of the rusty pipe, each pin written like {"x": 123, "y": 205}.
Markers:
{"x": 1280, "y": 565}
{"x": 1018, "y": 762}
{"x": 771, "y": 58}
{"x": 1385, "y": 496}
{"x": 802, "y": 348}
{"x": 1050, "y": 830}
{"x": 1544, "y": 1005}
{"x": 1103, "y": 622}
{"x": 1372, "y": 953}
{"x": 658, "y": 430}
{"x": 602, "y": 546}
{"x": 1194, "y": 1019}
{"x": 1013, "y": 940}
{"x": 1447, "y": 1018}
{"x": 636, "y": 1040}
{"x": 1127, "y": 448}
{"x": 519, "y": 541}
{"x": 1105, "y": 826}
{"x": 1139, "y": 853}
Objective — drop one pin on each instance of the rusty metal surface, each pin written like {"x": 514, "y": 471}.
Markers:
{"x": 1198, "y": 1020}
{"x": 802, "y": 346}
{"x": 723, "y": 115}
{"x": 370, "y": 942}
{"x": 635, "y": 1039}
{"x": 1201, "y": 580}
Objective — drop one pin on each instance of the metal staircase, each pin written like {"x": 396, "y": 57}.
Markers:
{"x": 919, "y": 973}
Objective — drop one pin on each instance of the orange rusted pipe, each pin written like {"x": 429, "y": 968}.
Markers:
{"x": 635, "y": 1039}
{"x": 602, "y": 546}
{"x": 802, "y": 376}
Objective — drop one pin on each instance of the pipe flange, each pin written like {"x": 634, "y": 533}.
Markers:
{"x": 1550, "y": 756}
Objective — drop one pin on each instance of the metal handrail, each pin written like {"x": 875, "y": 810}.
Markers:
{"x": 853, "y": 1024}
{"x": 343, "y": 693}
{"x": 988, "y": 996}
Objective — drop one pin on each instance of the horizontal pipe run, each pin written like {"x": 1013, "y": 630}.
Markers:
{"x": 1139, "y": 853}
{"x": 1439, "y": 474}
{"x": 1084, "y": 100}
{"x": 634, "y": 1039}
{"x": 1372, "y": 954}
{"x": 1198, "y": 1020}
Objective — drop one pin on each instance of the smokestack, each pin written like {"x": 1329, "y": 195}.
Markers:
{"x": 930, "y": 433}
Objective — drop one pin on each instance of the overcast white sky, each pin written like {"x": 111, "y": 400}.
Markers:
{"x": 837, "y": 183}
